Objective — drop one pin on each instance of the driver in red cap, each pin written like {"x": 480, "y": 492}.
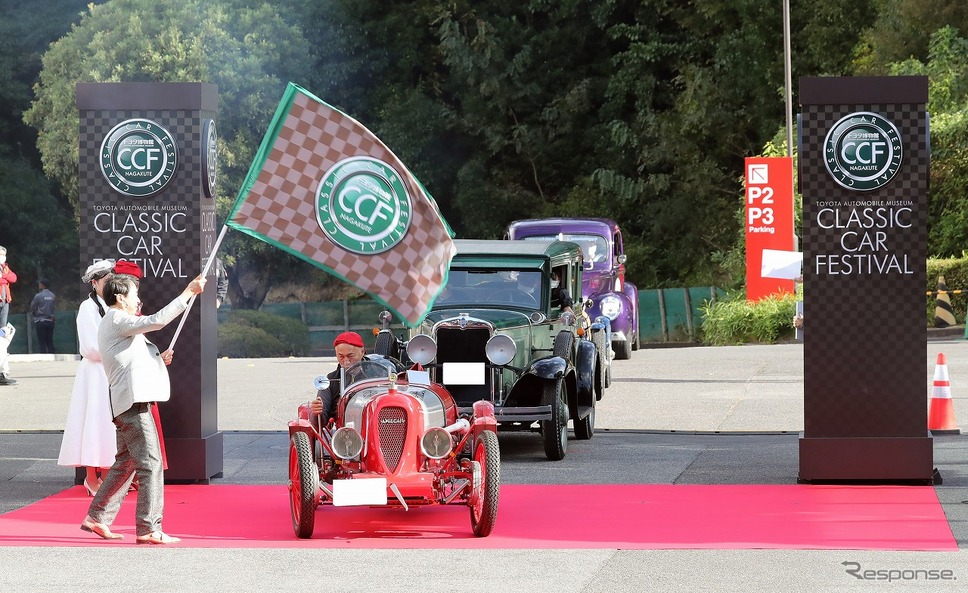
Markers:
{"x": 349, "y": 351}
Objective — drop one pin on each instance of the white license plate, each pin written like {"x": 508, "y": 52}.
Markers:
{"x": 359, "y": 492}
{"x": 463, "y": 373}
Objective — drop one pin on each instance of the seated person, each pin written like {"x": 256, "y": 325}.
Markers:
{"x": 349, "y": 351}
{"x": 560, "y": 297}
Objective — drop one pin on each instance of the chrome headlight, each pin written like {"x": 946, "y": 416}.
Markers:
{"x": 611, "y": 306}
{"x": 347, "y": 443}
{"x": 436, "y": 443}
{"x": 422, "y": 349}
{"x": 500, "y": 349}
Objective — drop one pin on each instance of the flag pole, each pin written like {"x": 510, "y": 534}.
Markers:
{"x": 205, "y": 269}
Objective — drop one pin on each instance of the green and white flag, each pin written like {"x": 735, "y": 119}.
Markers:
{"x": 327, "y": 190}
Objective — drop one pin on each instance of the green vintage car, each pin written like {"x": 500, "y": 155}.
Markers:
{"x": 500, "y": 331}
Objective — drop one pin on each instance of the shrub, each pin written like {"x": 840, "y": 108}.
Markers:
{"x": 955, "y": 272}
{"x": 256, "y": 334}
{"x": 734, "y": 321}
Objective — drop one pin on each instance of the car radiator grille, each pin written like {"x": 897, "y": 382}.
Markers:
{"x": 464, "y": 345}
{"x": 393, "y": 433}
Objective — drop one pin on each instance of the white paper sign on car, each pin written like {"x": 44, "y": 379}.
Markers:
{"x": 463, "y": 373}
{"x": 359, "y": 492}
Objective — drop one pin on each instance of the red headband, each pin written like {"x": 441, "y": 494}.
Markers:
{"x": 351, "y": 338}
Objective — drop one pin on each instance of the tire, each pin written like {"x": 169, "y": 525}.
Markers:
{"x": 484, "y": 512}
{"x": 623, "y": 350}
{"x": 601, "y": 363}
{"x": 385, "y": 344}
{"x": 303, "y": 485}
{"x": 585, "y": 427}
{"x": 565, "y": 345}
{"x": 555, "y": 431}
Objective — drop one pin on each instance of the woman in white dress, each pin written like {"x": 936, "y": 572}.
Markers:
{"x": 90, "y": 438}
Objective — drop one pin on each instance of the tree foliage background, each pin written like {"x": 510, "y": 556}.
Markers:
{"x": 641, "y": 111}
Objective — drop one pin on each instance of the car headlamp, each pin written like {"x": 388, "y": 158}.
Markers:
{"x": 611, "y": 306}
{"x": 422, "y": 349}
{"x": 346, "y": 443}
{"x": 436, "y": 443}
{"x": 500, "y": 349}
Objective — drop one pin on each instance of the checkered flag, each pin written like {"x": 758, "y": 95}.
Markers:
{"x": 327, "y": 190}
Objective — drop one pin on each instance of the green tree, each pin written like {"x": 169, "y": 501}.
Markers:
{"x": 901, "y": 30}
{"x": 34, "y": 227}
{"x": 948, "y": 105}
{"x": 244, "y": 46}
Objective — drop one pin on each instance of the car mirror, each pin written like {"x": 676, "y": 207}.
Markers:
{"x": 588, "y": 304}
{"x": 621, "y": 259}
{"x": 385, "y": 318}
{"x": 321, "y": 383}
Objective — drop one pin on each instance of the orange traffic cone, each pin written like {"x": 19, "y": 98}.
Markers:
{"x": 941, "y": 417}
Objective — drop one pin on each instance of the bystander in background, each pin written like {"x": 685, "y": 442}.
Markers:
{"x": 7, "y": 277}
{"x": 42, "y": 313}
{"x": 221, "y": 283}
{"x": 6, "y": 335}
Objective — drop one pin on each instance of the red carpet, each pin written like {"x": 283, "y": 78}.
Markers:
{"x": 642, "y": 516}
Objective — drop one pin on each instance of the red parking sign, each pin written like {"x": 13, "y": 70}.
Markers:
{"x": 769, "y": 221}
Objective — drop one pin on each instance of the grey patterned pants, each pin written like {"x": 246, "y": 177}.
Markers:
{"x": 139, "y": 453}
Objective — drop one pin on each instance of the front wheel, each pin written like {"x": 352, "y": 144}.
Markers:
{"x": 623, "y": 350}
{"x": 484, "y": 509}
{"x": 555, "y": 431}
{"x": 303, "y": 485}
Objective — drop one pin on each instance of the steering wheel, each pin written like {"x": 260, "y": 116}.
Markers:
{"x": 514, "y": 297}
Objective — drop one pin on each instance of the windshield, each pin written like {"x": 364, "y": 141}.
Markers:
{"x": 594, "y": 248}
{"x": 372, "y": 367}
{"x": 513, "y": 288}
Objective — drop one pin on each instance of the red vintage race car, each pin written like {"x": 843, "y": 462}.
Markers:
{"x": 397, "y": 441}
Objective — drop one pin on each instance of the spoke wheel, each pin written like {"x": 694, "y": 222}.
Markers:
{"x": 484, "y": 510}
{"x": 303, "y": 485}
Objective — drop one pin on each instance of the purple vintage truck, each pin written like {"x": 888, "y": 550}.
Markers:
{"x": 603, "y": 275}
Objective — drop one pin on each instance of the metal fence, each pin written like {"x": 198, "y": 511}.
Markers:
{"x": 665, "y": 315}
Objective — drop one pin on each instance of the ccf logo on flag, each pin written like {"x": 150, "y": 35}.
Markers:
{"x": 327, "y": 190}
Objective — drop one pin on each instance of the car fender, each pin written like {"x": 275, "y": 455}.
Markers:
{"x": 550, "y": 367}
{"x": 632, "y": 294}
{"x": 585, "y": 371}
{"x": 303, "y": 425}
{"x": 604, "y": 324}
{"x": 483, "y": 418}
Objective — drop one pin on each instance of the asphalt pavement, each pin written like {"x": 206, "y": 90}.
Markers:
{"x": 728, "y": 415}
